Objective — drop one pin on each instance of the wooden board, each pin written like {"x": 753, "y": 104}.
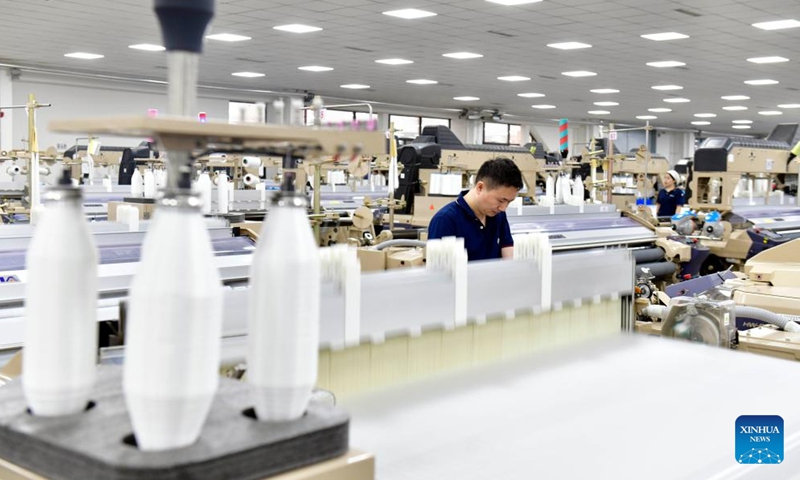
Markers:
{"x": 184, "y": 133}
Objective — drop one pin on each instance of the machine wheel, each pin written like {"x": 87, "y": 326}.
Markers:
{"x": 713, "y": 264}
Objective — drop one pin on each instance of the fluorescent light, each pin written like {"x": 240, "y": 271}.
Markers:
{"x": 514, "y": 78}
{"x": 466, "y": 99}
{"x": 394, "y": 61}
{"x": 666, "y": 64}
{"x": 677, "y": 100}
{"x": 315, "y": 68}
{"x": 735, "y": 97}
{"x": 771, "y": 112}
{"x": 701, "y": 123}
{"x": 705, "y": 115}
{"x": 742, "y": 121}
{"x": 789, "y": 105}
{"x": 604, "y": 90}
{"x": 735, "y": 108}
{"x": 543, "y": 106}
{"x": 147, "y": 47}
{"x": 247, "y": 74}
{"x": 228, "y": 37}
{"x": 462, "y": 55}
{"x": 741, "y": 127}
{"x": 646, "y": 117}
{"x": 767, "y": 59}
{"x": 659, "y": 110}
{"x": 354, "y": 86}
{"x": 422, "y": 81}
{"x": 579, "y": 73}
{"x": 598, "y": 112}
{"x": 764, "y": 81}
{"x": 531, "y": 95}
{"x": 606, "y": 104}
{"x": 297, "y": 28}
{"x": 84, "y": 56}
{"x": 660, "y": 37}
{"x": 569, "y": 45}
{"x": 777, "y": 24}
{"x": 667, "y": 87}
{"x": 409, "y": 13}
{"x": 513, "y": 2}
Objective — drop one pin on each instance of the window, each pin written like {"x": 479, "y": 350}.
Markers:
{"x": 409, "y": 126}
{"x": 432, "y": 121}
{"x": 412, "y": 126}
{"x": 247, "y": 112}
{"x": 334, "y": 117}
{"x": 501, "y": 134}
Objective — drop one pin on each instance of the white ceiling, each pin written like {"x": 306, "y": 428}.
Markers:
{"x": 40, "y": 32}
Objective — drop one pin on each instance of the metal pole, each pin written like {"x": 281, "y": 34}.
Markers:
{"x": 33, "y": 162}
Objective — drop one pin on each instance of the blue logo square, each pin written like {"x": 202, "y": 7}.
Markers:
{"x": 759, "y": 439}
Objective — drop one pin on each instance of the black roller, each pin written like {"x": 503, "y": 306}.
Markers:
{"x": 184, "y": 22}
{"x": 658, "y": 269}
{"x": 648, "y": 255}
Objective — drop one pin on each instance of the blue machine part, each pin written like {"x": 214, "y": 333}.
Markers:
{"x": 713, "y": 217}
{"x": 763, "y": 240}
{"x": 698, "y": 285}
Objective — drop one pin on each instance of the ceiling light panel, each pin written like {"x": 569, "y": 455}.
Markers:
{"x": 531, "y": 95}
{"x": 666, "y": 87}
{"x": 606, "y": 104}
{"x": 422, "y": 81}
{"x": 789, "y": 105}
{"x": 770, "y": 112}
{"x": 777, "y": 24}
{"x": 735, "y": 97}
{"x": 701, "y": 122}
{"x": 579, "y": 73}
{"x": 659, "y": 110}
{"x": 735, "y": 108}
{"x": 315, "y": 68}
{"x": 84, "y": 55}
{"x": 543, "y": 106}
{"x": 666, "y": 64}
{"x": 569, "y": 45}
{"x": 742, "y": 122}
{"x": 247, "y": 74}
{"x": 705, "y": 115}
{"x": 763, "y": 81}
{"x": 466, "y": 98}
{"x": 354, "y": 86}
{"x": 741, "y": 127}
{"x": 646, "y": 117}
{"x": 511, "y": 3}
{"x": 767, "y": 59}
{"x": 660, "y": 37}
{"x": 409, "y": 13}
{"x": 604, "y": 91}
{"x": 297, "y": 28}
{"x": 147, "y": 47}
{"x": 598, "y": 112}
{"x": 677, "y": 100}
{"x": 514, "y": 78}
{"x": 394, "y": 61}
{"x": 462, "y": 55}
{"x": 228, "y": 37}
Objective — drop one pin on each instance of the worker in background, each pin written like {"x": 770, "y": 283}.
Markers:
{"x": 478, "y": 215}
{"x": 670, "y": 197}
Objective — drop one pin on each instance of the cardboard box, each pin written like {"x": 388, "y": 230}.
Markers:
{"x": 404, "y": 258}
{"x": 145, "y": 210}
{"x": 372, "y": 260}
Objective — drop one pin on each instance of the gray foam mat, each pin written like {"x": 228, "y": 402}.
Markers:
{"x": 231, "y": 446}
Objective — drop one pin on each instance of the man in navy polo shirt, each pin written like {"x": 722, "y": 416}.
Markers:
{"x": 478, "y": 216}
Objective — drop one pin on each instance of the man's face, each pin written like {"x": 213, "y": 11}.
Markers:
{"x": 495, "y": 200}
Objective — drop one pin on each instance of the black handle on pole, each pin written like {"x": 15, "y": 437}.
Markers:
{"x": 184, "y": 22}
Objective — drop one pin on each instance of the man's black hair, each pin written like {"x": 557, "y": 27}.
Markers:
{"x": 500, "y": 172}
